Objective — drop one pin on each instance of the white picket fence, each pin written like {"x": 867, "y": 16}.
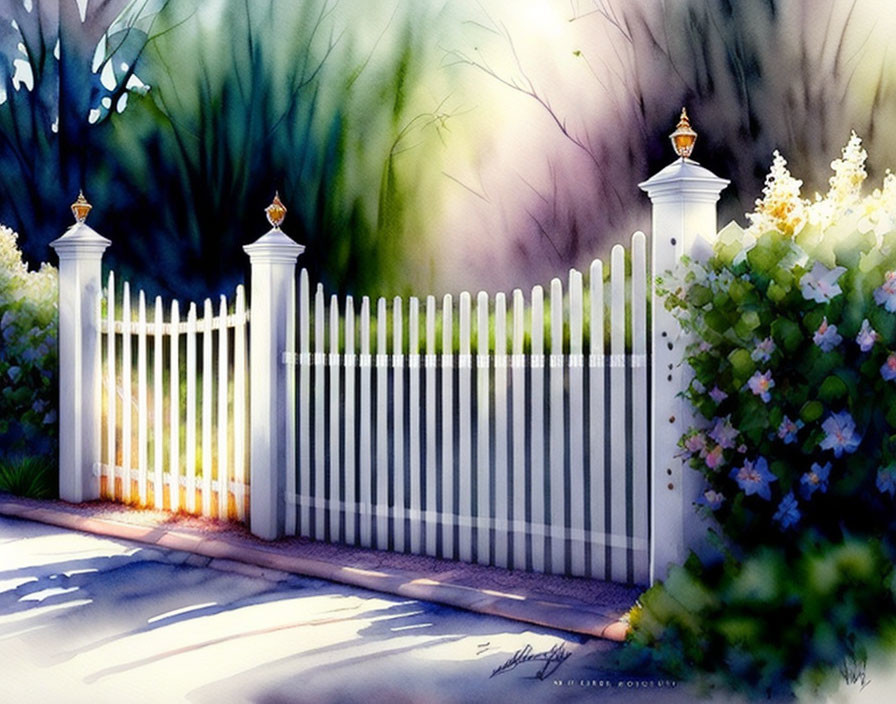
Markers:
{"x": 452, "y": 428}
{"x": 429, "y": 426}
{"x": 175, "y": 405}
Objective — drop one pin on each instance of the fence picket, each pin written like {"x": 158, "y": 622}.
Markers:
{"x": 290, "y": 520}
{"x": 126, "y": 411}
{"x": 558, "y": 477}
{"x": 539, "y": 517}
{"x": 158, "y": 403}
{"x": 596, "y": 411}
{"x": 241, "y": 402}
{"x": 304, "y": 483}
{"x": 381, "y": 475}
{"x": 502, "y": 507}
{"x": 620, "y": 475}
{"x": 190, "y": 469}
{"x": 351, "y": 489}
{"x": 518, "y": 390}
{"x": 319, "y": 493}
{"x": 482, "y": 479}
{"x": 142, "y": 414}
{"x": 335, "y": 464}
{"x": 398, "y": 478}
{"x": 429, "y": 488}
{"x": 415, "y": 527}
{"x": 364, "y": 436}
{"x": 576, "y": 427}
{"x": 111, "y": 390}
{"x": 640, "y": 467}
{"x": 174, "y": 411}
{"x": 448, "y": 507}
{"x": 465, "y": 446}
{"x": 207, "y": 408}
{"x": 223, "y": 428}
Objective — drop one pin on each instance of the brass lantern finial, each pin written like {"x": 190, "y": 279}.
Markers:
{"x": 683, "y": 137}
{"x": 81, "y": 207}
{"x": 276, "y": 211}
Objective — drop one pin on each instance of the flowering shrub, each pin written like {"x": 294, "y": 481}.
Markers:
{"x": 28, "y": 354}
{"x": 794, "y": 387}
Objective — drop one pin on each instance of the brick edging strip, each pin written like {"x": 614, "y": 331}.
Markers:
{"x": 584, "y": 620}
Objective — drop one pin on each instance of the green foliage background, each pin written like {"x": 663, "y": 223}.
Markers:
{"x": 180, "y": 138}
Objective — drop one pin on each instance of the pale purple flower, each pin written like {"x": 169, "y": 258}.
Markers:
{"x": 712, "y": 499}
{"x": 888, "y": 368}
{"x": 788, "y": 429}
{"x": 886, "y": 480}
{"x": 717, "y": 395}
{"x": 816, "y": 479}
{"x": 841, "y": 434}
{"x": 742, "y": 449}
{"x": 760, "y": 384}
{"x": 826, "y": 336}
{"x": 886, "y": 295}
{"x": 867, "y": 336}
{"x": 723, "y": 433}
{"x": 714, "y": 458}
{"x": 695, "y": 443}
{"x": 763, "y": 350}
{"x": 754, "y": 478}
{"x": 820, "y": 284}
{"x": 788, "y": 512}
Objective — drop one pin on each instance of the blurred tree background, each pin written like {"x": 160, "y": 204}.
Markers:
{"x": 181, "y": 119}
{"x": 428, "y": 146}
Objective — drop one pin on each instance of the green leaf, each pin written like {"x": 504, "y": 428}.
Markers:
{"x": 746, "y": 324}
{"x": 832, "y": 389}
{"x": 776, "y": 292}
{"x": 698, "y": 296}
{"x": 787, "y": 334}
{"x": 811, "y": 411}
{"x": 742, "y": 365}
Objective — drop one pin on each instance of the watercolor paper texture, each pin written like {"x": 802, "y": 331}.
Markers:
{"x": 461, "y": 184}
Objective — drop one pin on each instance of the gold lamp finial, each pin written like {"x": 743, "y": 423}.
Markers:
{"x": 81, "y": 207}
{"x": 276, "y": 211}
{"x": 683, "y": 137}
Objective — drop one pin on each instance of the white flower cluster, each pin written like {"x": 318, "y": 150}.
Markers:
{"x": 783, "y": 209}
{"x": 33, "y": 289}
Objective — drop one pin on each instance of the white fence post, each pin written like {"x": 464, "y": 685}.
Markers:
{"x": 684, "y": 197}
{"x": 80, "y": 251}
{"x": 273, "y": 259}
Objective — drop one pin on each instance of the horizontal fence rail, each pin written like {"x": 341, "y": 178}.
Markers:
{"x": 174, "y": 404}
{"x": 504, "y": 431}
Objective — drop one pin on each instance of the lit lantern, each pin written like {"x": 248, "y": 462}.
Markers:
{"x": 80, "y": 208}
{"x": 276, "y": 211}
{"x": 683, "y": 137}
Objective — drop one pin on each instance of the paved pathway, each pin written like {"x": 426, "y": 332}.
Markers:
{"x": 85, "y": 618}
{"x": 98, "y": 618}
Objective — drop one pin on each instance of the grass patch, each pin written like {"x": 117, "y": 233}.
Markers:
{"x": 32, "y": 477}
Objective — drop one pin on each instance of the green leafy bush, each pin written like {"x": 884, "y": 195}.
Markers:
{"x": 794, "y": 386}
{"x": 28, "y": 354}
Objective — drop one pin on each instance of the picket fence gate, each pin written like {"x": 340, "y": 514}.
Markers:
{"x": 452, "y": 428}
{"x": 175, "y": 405}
